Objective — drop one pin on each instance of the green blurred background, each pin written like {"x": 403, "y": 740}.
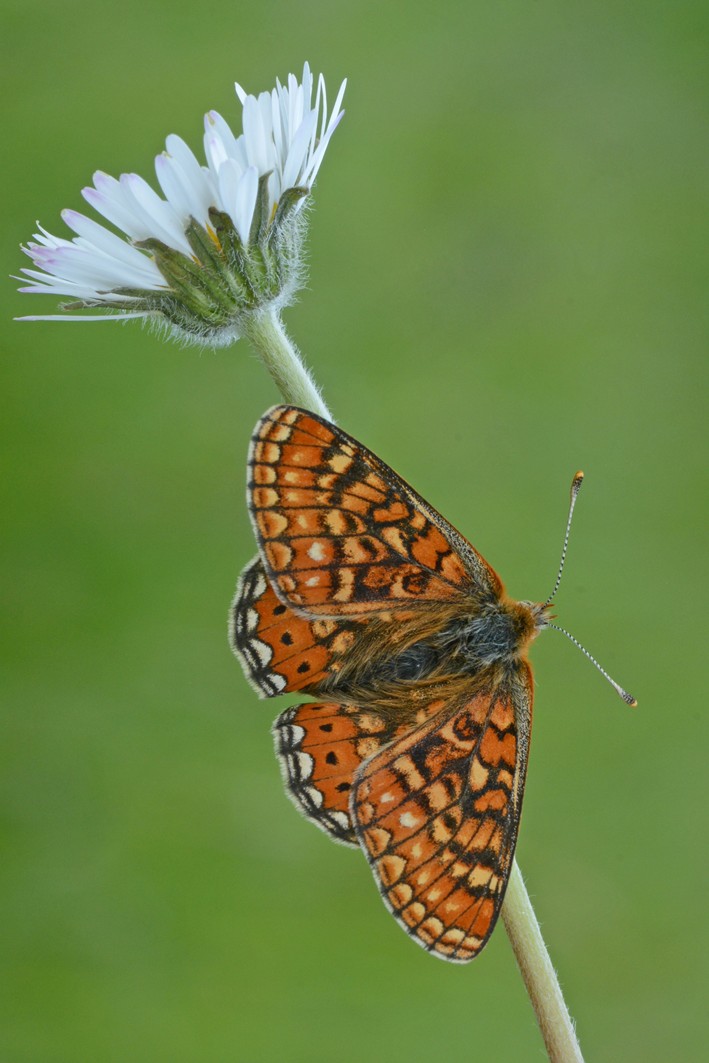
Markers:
{"x": 508, "y": 281}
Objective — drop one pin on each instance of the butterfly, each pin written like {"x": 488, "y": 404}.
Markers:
{"x": 415, "y": 747}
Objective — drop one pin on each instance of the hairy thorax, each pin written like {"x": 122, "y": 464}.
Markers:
{"x": 438, "y": 652}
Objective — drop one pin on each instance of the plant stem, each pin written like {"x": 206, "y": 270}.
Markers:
{"x": 281, "y": 358}
{"x": 296, "y": 385}
{"x": 538, "y": 973}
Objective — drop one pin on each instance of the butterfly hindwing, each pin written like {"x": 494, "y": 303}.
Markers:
{"x": 280, "y": 650}
{"x": 340, "y": 533}
{"x": 437, "y": 813}
{"x": 319, "y": 746}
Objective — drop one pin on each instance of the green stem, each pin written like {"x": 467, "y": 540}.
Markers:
{"x": 297, "y": 386}
{"x": 538, "y": 974}
{"x": 283, "y": 362}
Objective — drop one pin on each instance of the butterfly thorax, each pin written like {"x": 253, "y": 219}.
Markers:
{"x": 499, "y": 632}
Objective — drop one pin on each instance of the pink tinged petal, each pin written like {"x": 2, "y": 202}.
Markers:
{"x": 96, "y": 260}
{"x": 103, "y": 242}
{"x": 65, "y": 284}
{"x": 61, "y": 267}
{"x": 84, "y": 266}
{"x": 109, "y": 199}
{"x": 159, "y": 217}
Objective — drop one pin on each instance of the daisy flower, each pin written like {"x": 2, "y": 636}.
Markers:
{"x": 224, "y": 240}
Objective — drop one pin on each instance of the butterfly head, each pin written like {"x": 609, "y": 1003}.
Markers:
{"x": 540, "y": 614}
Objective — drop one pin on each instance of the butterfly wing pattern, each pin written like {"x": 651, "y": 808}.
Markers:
{"x": 364, "y": 598}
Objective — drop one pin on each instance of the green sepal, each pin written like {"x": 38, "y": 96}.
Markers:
{"x": 286, "y": 205}
{"x": 209, "y": 254}
{"x": 261, "y": 221}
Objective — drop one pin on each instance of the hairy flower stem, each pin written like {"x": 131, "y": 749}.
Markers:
{"x": 297, "y": 386}
{"x": 279, "y": 355}
{"x": 539, "y": 976}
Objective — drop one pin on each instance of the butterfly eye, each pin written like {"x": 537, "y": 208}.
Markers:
{"x": 415, "y": 662}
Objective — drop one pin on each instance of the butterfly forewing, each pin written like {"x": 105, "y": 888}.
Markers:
{"x": 341, "y": 534}
{"x": 437, "y": 813}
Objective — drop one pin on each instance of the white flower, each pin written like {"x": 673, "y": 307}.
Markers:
{"x": 224, "y": 242}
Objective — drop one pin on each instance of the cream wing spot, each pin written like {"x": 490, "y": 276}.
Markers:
{"x": 305, "y": 764}
{"x": 262, "y": 651}
{"x": 316, "y": 551}
{"x": 294, "y": 732}
{"x": 315, "y": 796}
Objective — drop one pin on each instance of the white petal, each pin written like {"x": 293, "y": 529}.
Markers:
{"x": 230, "y": 146}
{"x": 187, "y": 197}
{"x": 241, "y": 93}
{"x": 118, "y": 315}
{"x": 258, "y": 141}
{"x": 297, "y": 161}
{"x": 238, "y": 192}
{"x": 160, "y": 219}
{"x": 60, "y": 287}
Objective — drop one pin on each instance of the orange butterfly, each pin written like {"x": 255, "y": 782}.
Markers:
{"x": 365, "y": 598}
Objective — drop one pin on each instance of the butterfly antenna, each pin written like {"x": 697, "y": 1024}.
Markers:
{"x": 627, "y": 698}
{"x": 575, "y": 488}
